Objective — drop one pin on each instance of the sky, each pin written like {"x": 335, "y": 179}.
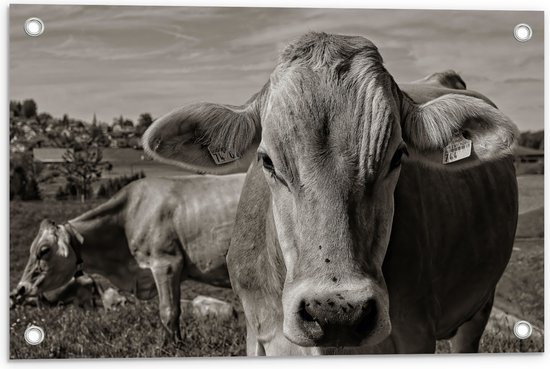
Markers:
{"x": 113, "y": 61}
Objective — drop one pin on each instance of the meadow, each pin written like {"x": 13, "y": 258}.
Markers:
{"x": 134, "y": 329}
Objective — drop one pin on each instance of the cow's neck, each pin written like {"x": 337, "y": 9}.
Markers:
{"x": 101, "y": 230}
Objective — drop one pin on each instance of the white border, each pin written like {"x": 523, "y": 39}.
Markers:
{"x": 502, "y": 361}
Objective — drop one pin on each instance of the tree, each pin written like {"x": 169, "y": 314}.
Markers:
{"x": 29, "y": 108}
{"x": 18, "y": 183}
{"x": 127, "y": 123}
{"x": 44, "y": 119}
{"x": 144, "y": 121}
{"x": 15, "y": 108}
{"x": 60, "y": 195}
{"x": 32, "y": 192}
{"x": 82, "y": 168}
{"x": 97, "y": 135}
{"x": 102, "y": 192}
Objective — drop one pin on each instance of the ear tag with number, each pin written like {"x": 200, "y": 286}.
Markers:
{"x": 223, "y": 156}
{"x": 459, "y": 148}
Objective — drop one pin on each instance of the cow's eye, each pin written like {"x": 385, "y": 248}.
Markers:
{"x": 44, "y": 250}
{"x": 266, "y": 162}
{"x": 396, "y": 160}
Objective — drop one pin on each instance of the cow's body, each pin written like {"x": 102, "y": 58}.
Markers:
{"x": 150, "y": 236}
{"x": 340, "y": 246}
{"x": 154, "y": 218}
{"x": 442, "y": 264}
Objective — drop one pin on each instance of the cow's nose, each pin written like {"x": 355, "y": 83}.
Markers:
{"x": 341, "y": 318}
{"x": 18, "y": 294}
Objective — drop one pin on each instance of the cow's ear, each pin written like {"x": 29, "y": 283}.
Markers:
{"x": 72, "y": 230}
{"x": 206, "y": 137}
{"x": 431, "y": 127}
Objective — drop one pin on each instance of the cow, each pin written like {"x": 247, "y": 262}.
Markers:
{"x": 150, "y": 236}
{"x": 352, "y": 235}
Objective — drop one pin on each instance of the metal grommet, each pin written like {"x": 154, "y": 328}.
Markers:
{"x": 523, "y": 32}
{"x": 34, "y": 335}
{"x": 523, "y": 329}
{"x": 34, "y": 26}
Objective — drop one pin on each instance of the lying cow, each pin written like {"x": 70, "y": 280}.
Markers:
{"x": 354, "y": 233}
{"x": 154, "y": 231}
{"x": 208, "y": 307}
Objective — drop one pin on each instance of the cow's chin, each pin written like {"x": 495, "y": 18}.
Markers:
{"x": 338, "y": 328}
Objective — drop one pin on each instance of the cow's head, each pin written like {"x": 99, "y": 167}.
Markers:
{"x": 52, "y": 260}
{"x": 330, "y": 131}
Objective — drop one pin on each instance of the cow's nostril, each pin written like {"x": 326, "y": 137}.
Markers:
{"x": 21, "y": 290}
{"x": 304, "y": 313}
{"x": 368, "y": 317}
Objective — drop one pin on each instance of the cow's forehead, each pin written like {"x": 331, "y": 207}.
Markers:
{"x": 311, "y": 114}
{"x": 319, "y": 50}
{"x": 46, "y": 235}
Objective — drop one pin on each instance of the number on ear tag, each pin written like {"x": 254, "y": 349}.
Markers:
{"x": 223, "y": 156}
{"x": 459, "y": 148}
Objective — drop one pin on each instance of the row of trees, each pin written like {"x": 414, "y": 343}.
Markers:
{"x": 534, "y": 140}
{"x": 26, "y": 109}
{"x": 112, "y": 186}
{"x": 106, "y": 190}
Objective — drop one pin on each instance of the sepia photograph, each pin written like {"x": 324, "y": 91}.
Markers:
{"x": 213, "y": 182}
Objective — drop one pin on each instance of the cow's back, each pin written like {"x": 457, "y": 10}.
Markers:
{"x": 452, "y": 237}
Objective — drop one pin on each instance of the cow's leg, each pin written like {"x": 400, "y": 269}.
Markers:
{"x": 167, "y": 276}
{"x": 469, "y": 334}
{"x": 253, "y": 347}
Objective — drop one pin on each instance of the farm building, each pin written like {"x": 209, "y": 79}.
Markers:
{"x": 49, "y": 155}
{"x": 528, "y": 160}
{"x": 528, "y": 155}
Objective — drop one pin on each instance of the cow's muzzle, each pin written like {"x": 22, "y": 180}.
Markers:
{"x": 20, "y": 293}
{"x": 336, "y": 318}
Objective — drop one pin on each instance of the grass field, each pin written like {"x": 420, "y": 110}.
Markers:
{"x": 134, "y": 330}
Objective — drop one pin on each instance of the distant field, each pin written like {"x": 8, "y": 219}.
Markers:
{"x": 151, "y": 169}
{"x": 134, "y": 330}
